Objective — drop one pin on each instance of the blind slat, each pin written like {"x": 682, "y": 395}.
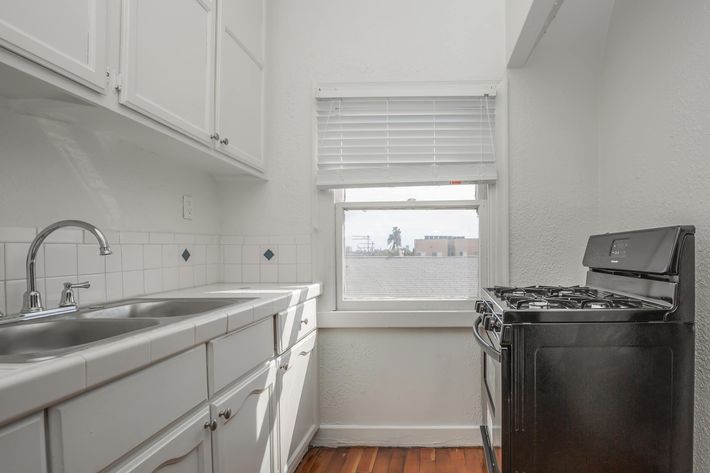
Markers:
{"x": 404, "y": 134}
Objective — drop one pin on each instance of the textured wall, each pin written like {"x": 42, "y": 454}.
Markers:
{"x": 654, "y": 124}
{"x": 553, "y": 147}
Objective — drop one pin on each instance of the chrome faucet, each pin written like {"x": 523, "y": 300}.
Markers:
{"x": 32, "y": 299}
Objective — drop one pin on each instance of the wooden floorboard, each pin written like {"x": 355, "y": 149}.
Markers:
{"x": 393, "y": 460}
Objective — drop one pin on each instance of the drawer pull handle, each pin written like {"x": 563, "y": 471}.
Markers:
{"x": 304, "y": 321}
{"x": 211, "y": 425}
{"x": 227, "y": 413}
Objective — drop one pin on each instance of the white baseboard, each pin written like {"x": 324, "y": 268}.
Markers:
{"x": 331, "y": 435}
{"x": 301, "y": 450}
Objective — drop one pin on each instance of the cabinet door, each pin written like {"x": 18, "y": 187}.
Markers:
{"x": 22, "y": 446}
{"x": 298, "y": 401}
{"x": 244, "y": 441}
{"x": 184, "y": 449}
{"x": 167, "y": 63}
{"x": 68, "y": 36}
{"x": 240, "y": 79}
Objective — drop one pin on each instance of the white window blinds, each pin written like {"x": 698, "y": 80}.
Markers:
{"x": 405, "y": 140}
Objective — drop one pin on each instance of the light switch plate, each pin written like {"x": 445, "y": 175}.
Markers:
{"x": 187, "y": 207}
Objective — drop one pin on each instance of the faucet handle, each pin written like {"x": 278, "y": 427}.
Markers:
{"x": 67, "y": 298}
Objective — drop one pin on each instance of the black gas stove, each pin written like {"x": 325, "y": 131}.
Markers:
{"x": 597, "y": 377}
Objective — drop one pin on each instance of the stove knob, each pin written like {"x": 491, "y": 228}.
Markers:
{"x": 480, "y": 307}
{"x": 487, "y": 322}
{"x": 495, "y": 325}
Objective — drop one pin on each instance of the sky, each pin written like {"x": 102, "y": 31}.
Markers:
{"x": 413, "y": 223}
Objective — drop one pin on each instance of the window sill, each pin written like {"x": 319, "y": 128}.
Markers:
{"x": 397, "y": 319}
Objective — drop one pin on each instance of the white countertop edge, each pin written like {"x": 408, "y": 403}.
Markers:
{"x": 28, "y": 387}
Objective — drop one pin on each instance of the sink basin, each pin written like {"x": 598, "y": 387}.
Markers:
{"x": 35, "y": 341}
{"x": 159, "y": 308}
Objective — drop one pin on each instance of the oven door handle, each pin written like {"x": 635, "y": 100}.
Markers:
{"x": 487, "y": 347}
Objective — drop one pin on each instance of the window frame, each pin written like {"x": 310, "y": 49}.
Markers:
{"x": 343, "y": 304}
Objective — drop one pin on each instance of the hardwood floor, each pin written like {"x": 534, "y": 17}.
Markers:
{"x": 393, "y": 460}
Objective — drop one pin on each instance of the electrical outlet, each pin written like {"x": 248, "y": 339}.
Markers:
{"x": 187, "y": 207}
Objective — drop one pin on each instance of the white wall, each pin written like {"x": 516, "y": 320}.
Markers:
{"x": 516, "y": 12}
{"x": 52, "y": 169}
{"x": 654, "y": 143}
{"x": 553, "y": 147}
{"x": 372, "y": 41}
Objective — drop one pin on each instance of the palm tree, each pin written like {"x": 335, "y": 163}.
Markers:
{"x": 395, "y": 239}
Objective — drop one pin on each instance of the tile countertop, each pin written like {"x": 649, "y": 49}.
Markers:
{"x": 29, "y": 387}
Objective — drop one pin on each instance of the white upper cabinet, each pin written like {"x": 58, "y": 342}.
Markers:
{"x": 167, "y": 63}
{"x": 67, "y": 36}
{"x": 240, "y": 79}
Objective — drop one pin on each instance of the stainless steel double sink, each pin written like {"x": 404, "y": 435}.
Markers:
{"x": 46, "y": 338}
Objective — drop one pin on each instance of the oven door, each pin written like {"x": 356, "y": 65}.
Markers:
{"x": 491, "y": 394}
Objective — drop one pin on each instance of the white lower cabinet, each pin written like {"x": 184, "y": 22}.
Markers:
{"x": 22, "y": 446}
{"x": 184, "y": 449}
{"x": 298, "y": 400}
{"x": 243, "y": 440}
{"x": 258, "y": 417}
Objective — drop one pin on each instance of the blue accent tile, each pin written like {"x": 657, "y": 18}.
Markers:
{"x": 186, "y": 255}
{"x": 268, "y": 254}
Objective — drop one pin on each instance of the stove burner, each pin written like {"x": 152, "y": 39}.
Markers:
{"x": 562, "y": 297}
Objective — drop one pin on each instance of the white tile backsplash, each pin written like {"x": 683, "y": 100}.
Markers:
{"x": 132, "y": 257}
{"x": 16, "y": 257}
{"x": 60, "y": 259}
{"x": 171, "y": 279}
{"x": 145, "y": 262}
{"x": 153, "y": 280}
{"x": 269, "y": 273}
{"x": 133, "y": 283}
{"x": 288, "y": 272}
{"x": 251, "y": 273}
{"x": 186, "y": 277}
{"x": 287, "y": 254}
{"x": 96, "y": 293}
{"x": 250, "y": 254}
{"x": 152, "y": 256}
{"x": 90, "y": 261}
{"x": 114, "y": 286}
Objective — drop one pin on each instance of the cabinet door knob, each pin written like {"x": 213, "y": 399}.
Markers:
{"x": 304, "y": 321}
{"x": 225, "y": 141}
{"x": 284, "y": 367}
{"x": 227, "y": 413}
{"x": 215, "y": 136}
{"x": 211, "y": 425}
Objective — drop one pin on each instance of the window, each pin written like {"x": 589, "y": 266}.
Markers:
{"x": 408, "y": 248}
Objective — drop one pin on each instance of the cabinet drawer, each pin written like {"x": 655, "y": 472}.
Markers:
{"x": 295, "y": 323}
{"x": 22, "y": 446}
{"x": 92, "y": 431}
{"x": 235, "y": 354}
